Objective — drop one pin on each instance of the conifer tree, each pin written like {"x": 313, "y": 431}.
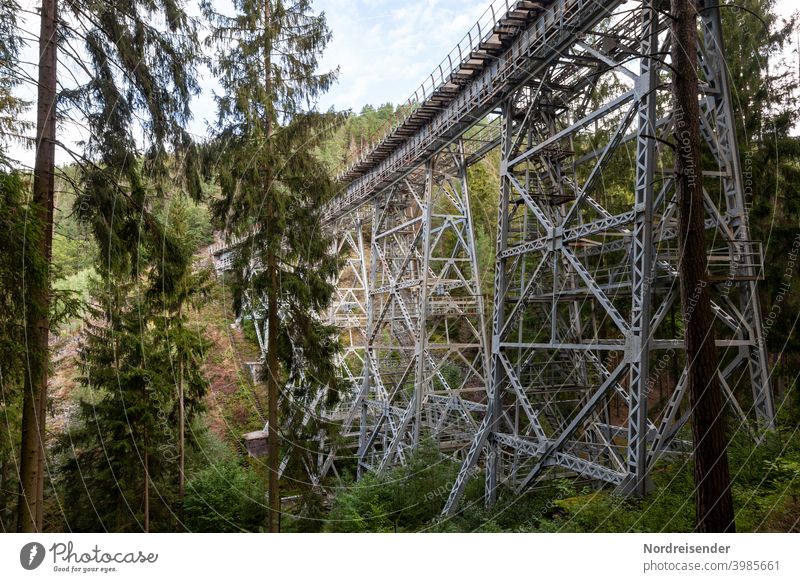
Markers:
{"x": 37, "y": 299}
{"x": 175, "y": 289}
{"x": 14, "y": 227}
{"x": 273, "y": 188}
{"x": 17, "y": 265}
{"x": 142, "y": 380}
{"x": 764, "y": 80}
{"x": 136, "y": 59}
{"x": 12, "y": 125}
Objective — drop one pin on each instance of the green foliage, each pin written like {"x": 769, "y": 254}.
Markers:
{"x": 79, "y": 283}
{"x": 272, "y": 188}
{"x": 356, "y": 134}
{"x": 12, "y": 107}
{"x": 138, "y": 352}
{"x": 19, "y": 265}
{"x": 224, "y": 497}
{"x": 765, "y": 105}
{"x": 786, "y": 471}
{"x": 403, "y": 499}
{"x": 125, "y": 425}
{"x": 140, "y": 59}
{"x": 19, "y": 231}
{"x": 74, "y": 249}
{"x": 411, "y": 498}
{"x": 195, "y": 216}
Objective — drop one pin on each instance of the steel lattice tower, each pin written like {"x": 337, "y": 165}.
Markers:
{"x": 426, "y": 348}
{"x": 584, "y": 281}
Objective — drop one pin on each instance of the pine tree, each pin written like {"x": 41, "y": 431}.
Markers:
{"x": 273, "y": 187}
{"x": 109, "y": 454}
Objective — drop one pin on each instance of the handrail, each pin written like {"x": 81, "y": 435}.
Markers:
{"x": 450, "y": 64}
{"x": 538, "y": 41}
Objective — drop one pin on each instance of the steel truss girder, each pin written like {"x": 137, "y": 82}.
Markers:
{"x": 552, "y": 26}
{"x": 549, "y": 402}
{"x": 425, "y": 339}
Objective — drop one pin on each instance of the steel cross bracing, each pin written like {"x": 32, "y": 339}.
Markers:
{"x": 305, "y": 433}
{"x": 348, "y": 312}
{"x": 518, "y": 38}
{"x": 586, "y": 261}
{"x": 576, "y": 96}
{"x": 412, "y": 326}
{"x": 425, "y": 347}
{"x": 303, "y": 430}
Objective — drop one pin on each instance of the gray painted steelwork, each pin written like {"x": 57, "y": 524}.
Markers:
{"x": 574, "y": 374}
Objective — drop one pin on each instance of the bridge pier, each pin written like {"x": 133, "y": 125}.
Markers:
{"x": 426, "y": 340}
{"x": 573, "y": 246}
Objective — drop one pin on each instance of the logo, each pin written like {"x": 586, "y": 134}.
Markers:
{"x": 31, "y": 555}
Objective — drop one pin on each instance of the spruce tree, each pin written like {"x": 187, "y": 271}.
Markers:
{"x": 273, "y": 188}
{"x": 18, "y": 234}
{"x": 136, "y": 59}
{"x": 176, "y": 288}
{"x": 37, "y": 321}
{"x": 764, "y": 80}
{"x": 12, "y": 126}
{"x": 142, "y": 381}
{"x": 16, "y": 228}
{"x": 713, "y": 497}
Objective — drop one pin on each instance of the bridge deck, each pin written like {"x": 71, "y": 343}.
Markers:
{"x": 486, "y": 66}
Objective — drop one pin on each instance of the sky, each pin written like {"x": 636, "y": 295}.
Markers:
{"x": 384, "y": 49}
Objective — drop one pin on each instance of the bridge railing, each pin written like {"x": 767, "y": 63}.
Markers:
{"x": 546, "y": 24}
{"x": 480, "y": 33}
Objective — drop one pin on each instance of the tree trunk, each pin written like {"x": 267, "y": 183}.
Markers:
{"x": 714, "y": 503}
{"x": 181, "y": 443}
{"x": 146, "y": 483}
{"x": 4, "y": 527}
{"x": 31, "y": 475}
{"x": 273, "y": 447}
{"x": 273, "y": 461}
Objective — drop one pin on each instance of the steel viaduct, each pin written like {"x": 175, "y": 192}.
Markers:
{"x": 570, "y": 359}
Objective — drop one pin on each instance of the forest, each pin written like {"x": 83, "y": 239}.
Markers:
{"x": 125, "y": 384}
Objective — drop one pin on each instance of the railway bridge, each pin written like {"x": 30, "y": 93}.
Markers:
{"x": 553, "y": 365}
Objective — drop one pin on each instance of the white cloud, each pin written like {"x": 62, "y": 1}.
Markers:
{"x": 385, "y": 50}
